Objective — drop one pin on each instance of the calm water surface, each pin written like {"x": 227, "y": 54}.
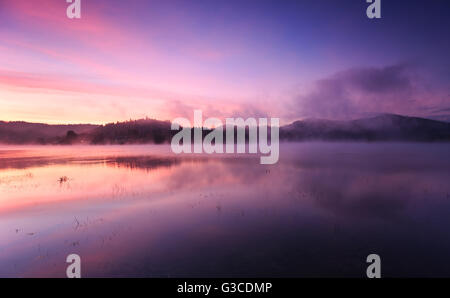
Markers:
{"x": 142, "y": 211}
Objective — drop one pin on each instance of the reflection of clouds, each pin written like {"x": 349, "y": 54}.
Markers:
{"x": 378, "y": 181}
{"x": 360, "y": 180}
{"x": 201, "y": 172}
{"x": 353, "y": 193}
{"x": 139, "y": 215}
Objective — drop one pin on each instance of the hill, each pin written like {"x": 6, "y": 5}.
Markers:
{"x": 20, "y": 132}
{"x": 386, "y": 127}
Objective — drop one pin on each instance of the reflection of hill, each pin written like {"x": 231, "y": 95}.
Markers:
{"x": 143, "y": 162}
{"x": 134, "y": 162}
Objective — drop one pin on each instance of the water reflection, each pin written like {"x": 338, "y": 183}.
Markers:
{"x": 141, "y": 211}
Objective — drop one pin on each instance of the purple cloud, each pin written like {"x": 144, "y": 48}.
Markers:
{"x": 401, "y": 89}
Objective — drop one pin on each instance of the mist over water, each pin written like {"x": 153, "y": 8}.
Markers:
{"x": 143, "y": 211}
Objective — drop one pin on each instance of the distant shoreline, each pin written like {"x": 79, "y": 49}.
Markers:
{"x": 382, "y": 128}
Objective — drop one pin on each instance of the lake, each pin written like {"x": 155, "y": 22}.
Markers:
{"x": 141, "y": 211}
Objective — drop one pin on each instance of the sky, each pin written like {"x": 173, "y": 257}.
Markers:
{"x": 248, "y": 58}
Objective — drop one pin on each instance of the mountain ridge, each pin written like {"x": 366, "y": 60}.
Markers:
{"x": 384, "y": 127}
